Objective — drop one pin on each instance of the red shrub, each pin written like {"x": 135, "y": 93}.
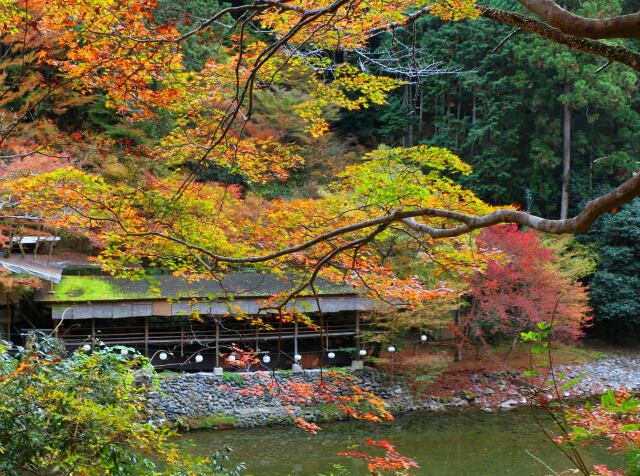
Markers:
{"x": 522, "y": 288}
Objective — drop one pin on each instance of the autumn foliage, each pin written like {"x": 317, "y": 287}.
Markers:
{"x": 521, "y": 287}
{"x": 614, "y": 422}
{"x": 391, "y": 461}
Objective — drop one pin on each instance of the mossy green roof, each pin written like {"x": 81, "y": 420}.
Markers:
{"x": 109, "y": 288}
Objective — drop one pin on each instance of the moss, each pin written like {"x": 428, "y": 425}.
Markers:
{"x": 215, "y": 421}
{"x": 90, "y": 288}
{"x": 167, "y": 374}
{"x": 232, "y": 377}
{"x": 328, "y": 412}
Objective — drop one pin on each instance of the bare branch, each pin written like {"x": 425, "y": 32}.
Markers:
{"x": 505, "y": 39}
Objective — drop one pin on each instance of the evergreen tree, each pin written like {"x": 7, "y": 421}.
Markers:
{"x": 508, "y": 107}
{"x": 615, "y": 286}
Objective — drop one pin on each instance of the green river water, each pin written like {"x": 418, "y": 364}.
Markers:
{"x": 470, "y": 443}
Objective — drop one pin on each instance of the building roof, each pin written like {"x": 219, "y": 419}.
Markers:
{"x": 76, "y": 289}
{"x": 32, "y": 240}
{"x": 27, "y": 265}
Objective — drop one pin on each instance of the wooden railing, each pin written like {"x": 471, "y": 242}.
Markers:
{"x": 189, "y": 336}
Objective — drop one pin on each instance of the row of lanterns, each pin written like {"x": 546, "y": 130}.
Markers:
{"x": 266, "y": 359}
{"x": 162, "y": 355}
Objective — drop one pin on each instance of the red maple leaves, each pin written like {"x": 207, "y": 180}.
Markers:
{"x": 522, "y": 288}
{"x": 392, "y": 460}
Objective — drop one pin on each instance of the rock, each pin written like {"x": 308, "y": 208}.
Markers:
{"x": 508, "y": 405}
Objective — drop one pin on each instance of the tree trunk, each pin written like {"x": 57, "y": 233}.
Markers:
{"x": 421, "y": 112}
{"x": 474, "y": 110}
{"x": 410, "y": 112}
{"x": 566, "y": 159}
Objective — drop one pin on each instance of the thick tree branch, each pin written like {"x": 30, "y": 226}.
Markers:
{"x": 612, "y": 53}
{"x": 622, "y": 26}
{"x": 578, "y": 224}
{"x": 619, "y": 54}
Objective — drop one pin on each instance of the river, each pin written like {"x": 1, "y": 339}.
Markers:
{"x": 469, "y": 443}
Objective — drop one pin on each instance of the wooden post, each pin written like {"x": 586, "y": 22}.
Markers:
{"x": 53, "y": 240}
{"x": 181, "y": 340}
{"x": 358, "y": 333}
{"x": 295, "y": 338}
{"x": 146, "y": 337}
{"x": 217, "y": 343}
{"x": 257, "y": 340}
{"x": 8, "y": 319}
{"x": 327, "y": 336}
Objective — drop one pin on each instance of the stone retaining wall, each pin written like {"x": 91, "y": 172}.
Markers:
{"x": 235, "y": 399}
{"x": 241, "y": 396}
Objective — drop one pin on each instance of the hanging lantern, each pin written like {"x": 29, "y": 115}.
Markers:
{"x": 391, "y": 349}
{"x": 362, "y": 352}
{"x": 266, "y": 359}
{"x": 331, "y": 355}
{"x": 297, "y": 357}
{"x": 163, "y": 356}
{"x": 423, "y": 337}
{"x": 124, "y": 351}
{"x": 199, "y": 358}
{"x": 86, "y": 347}
{"x": 231, "y": 358}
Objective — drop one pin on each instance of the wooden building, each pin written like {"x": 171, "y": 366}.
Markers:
{"x": 186, "y": 325}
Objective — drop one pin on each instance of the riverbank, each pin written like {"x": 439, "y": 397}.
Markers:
{"x": 244, "y": 399}
{"x": 505, "y": 390}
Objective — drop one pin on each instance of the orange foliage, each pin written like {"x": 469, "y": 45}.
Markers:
{"x": 391, "y": 461}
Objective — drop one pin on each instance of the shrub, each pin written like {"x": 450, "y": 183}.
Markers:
{"x": 522, "y": 287}
{"x": 81, "y": 413}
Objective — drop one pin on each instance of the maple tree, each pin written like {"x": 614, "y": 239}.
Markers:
{"x": 521, "y": 289}
{"x": 117, "y": 49}
{"x": 140, "y": 228}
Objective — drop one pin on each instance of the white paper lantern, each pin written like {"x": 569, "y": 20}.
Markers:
{"x": 124, "y": 351}
{"x": 331, "y": 355}
{"x": 86, "y": 347}
{"x": 362, "y": 352}
{"x": 266, "y": 359}
{"x": 391, "y": 349}
{"x": 423, "y": 337}
{"x": 231, "y": 358}
{"x": 297, "y": 357}
{"x": 163, "y": 356}
{"x": 199, "y": 358}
